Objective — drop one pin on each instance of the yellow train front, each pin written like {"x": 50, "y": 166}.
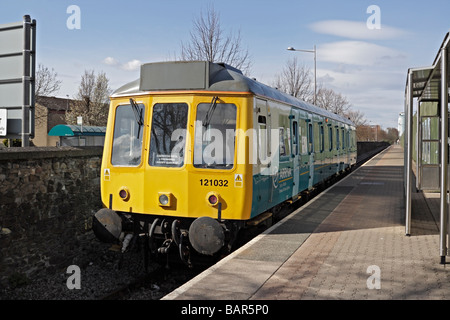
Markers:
{"x": 195, "y": 150}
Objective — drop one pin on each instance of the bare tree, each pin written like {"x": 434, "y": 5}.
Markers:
{"x": 91, "y": 101}
{"x": 332, "y": 101}
{"x": 46, "y": 82}
{"x": 295, "y": 80}
{"x": 209, "y": 43}
{"x": 357, "y": 117}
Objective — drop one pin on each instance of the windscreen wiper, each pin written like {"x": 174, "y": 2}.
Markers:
{"x": 137, "y": 114}
{"x": 210, "y": 112}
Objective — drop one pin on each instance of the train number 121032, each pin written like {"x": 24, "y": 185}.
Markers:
{"x": 213, "y": 183}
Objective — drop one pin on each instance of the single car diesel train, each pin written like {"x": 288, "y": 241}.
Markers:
{"x": 196, "y": 151}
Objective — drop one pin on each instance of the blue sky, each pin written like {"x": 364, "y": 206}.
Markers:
{"x": 368, "y": 66}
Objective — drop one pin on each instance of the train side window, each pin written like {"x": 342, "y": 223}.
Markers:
{"x": 282, "y": 145}
{"x": 322, "y": 139}
{"x": 337, "y": 139}
{"x": 127, "y": 138}
{"x": 330, "y": 137}
{"x": 343, "y": 139}
{"x": 310, "y": 138}
{"x": 294, "y": 137}
{"x": 347, "y": 139}
{"x": 261, "y": 119}
{"x": 262, "y": 138}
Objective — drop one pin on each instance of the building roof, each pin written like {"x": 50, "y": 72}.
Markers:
{"x": 54, "y": 103}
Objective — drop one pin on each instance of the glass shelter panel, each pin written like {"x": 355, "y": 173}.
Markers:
{"x": 430, "y": 140}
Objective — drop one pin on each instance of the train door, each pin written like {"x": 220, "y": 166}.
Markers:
{"x": 338, "y": 149}
{"x": 310, "y": 130}
{"x": 323, "y": 158}
{"x": 264, "y": 161}
{"x": 295, "y": 152}
{"x": 348, "y": 145}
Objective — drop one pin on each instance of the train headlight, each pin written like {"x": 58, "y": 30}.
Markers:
{"x": 164, "y": 199}
{"x": 124, "y": 194}
{"x": 212, "y": 198}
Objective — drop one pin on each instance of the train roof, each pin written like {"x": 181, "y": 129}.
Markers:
{"x": 208, "y": 76}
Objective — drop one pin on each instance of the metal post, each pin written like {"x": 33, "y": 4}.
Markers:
{"x": 315, "y": 75}
{"x": 444, "y": 155}
{"x": 33, "y": 79}
{"x": 26, "y": 82}
{"x": 408, "y": 159}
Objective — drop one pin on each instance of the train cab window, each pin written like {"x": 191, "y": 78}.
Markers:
{"x": 343, "y": 139}
{"x": 127, "y": 138}
{"x": 168, "y": 134}
{"x": 214, "y": 142}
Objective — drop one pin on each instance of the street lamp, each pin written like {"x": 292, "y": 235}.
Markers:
{"x": 315, "y": 67}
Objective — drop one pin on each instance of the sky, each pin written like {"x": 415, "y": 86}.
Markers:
{"x": 364, "y": 48}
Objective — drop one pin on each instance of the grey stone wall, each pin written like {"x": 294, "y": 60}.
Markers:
{"x": 47, "y": 199}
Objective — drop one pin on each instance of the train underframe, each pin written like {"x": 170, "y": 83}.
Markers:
{"x": 162, "y": 235}
{"x": 203, "y": 236}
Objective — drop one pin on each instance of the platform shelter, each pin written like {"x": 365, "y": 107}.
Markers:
{"x": 426, "y": 136}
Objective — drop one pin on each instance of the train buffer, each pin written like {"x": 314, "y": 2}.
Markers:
{"x": 347, "y": 243}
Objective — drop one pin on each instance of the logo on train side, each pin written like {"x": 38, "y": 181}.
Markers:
{"x": 281, "y": 176}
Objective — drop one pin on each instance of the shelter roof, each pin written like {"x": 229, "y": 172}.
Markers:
{"x": 65, "y": 130}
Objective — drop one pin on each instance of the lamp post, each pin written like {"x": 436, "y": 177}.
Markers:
{"x": 315, "y": 67}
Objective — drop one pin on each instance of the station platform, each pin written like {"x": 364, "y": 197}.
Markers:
{"x": 347, "y": 243}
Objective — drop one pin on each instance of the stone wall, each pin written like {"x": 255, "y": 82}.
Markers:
{"x": 47, "y": 199}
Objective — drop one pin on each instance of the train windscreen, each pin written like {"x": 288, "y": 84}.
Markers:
{"x": 168, "y": 134}
{"x": 127, "y": 139}
{"x": 215, "y": 130}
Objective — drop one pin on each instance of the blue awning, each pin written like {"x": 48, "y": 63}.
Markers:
{"x": 65, "y": 130}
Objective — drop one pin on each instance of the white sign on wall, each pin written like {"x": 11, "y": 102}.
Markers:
{"x": 3, "y": 122}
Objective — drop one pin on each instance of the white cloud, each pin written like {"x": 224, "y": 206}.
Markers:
{"x": 359, "y": 53}
{"x": 356, "y": 30}
{"x": 132, "y": 65}
{"x": 110, "y": 61}
{"x": 128, "y": 66}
